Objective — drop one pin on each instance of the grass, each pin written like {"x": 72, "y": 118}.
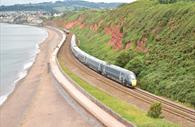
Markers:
{"x": 168, "y": 68}
{"x": 127, "y": 111}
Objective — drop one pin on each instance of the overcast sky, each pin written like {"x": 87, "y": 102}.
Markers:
{"x": 11, "y": 2}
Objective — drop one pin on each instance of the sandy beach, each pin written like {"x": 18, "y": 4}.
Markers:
{"x": 36, "y": 102}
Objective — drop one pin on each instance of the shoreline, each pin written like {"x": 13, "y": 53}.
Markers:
{"x": 26, "y": 65}
{"x": 37, "y": 101}
{"x": 22, "y": 24}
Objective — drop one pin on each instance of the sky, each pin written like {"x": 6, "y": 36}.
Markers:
{"x": 11, "y": 2}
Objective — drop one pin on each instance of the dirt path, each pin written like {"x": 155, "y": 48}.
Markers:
{"x": 36, "y": 102}
{"x": 101, "y": 82}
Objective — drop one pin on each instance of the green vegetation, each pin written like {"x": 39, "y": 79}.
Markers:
{"x": 171, "y": 1}
{"x": 89, "y": 40}
{"x": 127, "y": 111}
{"x": 168, "y": 67}
{"x": 155, "y": 110}
{"x": 59, "y": 6}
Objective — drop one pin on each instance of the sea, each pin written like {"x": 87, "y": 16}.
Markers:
{"x": 19, "y": 45}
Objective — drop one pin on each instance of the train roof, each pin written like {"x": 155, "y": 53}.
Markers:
{"x": 73, "y": 41}
{"x": 121, "y": 69}
{"x": 96, "y": 59}
{"x": 66, "y": 31}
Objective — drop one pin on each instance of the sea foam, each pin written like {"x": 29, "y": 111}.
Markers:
{"x": 27, "y": 63}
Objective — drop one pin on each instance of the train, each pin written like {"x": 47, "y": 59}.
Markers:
{"x": 66, "y": 31}
{"x": 116, "y": 73}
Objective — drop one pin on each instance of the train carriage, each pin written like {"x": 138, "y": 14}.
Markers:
{"x": 92, "y": 64}
{"x": 114, "y": 72}
{"x": 81, "y": 56}
{"x": 95, "y": 63}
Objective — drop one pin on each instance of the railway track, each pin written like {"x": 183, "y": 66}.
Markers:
{"x": 189, "y": 113}
{"x": 167, "y": 106}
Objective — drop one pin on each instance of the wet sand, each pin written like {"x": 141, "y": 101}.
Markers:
{"x": 36, "y": 102}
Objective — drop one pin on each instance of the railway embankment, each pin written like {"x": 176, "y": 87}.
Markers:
{"x": 90, "y": 81}
{"x": 91, "y": 106}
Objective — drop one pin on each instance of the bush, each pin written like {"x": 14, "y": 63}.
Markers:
{"x": 136, "y": 65}
{"x": 191, "y": 99}
{"x": 123, "y": 59}
{"x": 155, "y": 110}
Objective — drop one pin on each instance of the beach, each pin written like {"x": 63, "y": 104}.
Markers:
{"x": 35, "y": 101}
{"x": 19, "y": 45}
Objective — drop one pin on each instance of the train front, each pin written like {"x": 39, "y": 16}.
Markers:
{"x": 132, "y": 80}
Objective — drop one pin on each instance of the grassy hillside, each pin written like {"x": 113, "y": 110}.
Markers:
{"x": 158, "y": 43}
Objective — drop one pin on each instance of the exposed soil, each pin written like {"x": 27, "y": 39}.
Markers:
{"x": 82, "y": 25}
{"x": 72, "y": 24}
{"x": 94, "y": 27}
{"x": 116, "y": 37}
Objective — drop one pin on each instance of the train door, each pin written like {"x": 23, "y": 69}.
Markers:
{"x": 122, "y": 78}
{"x": 103, "y": 69}
{"x": 100, "y": 68}
{"x": 85, "y": 59}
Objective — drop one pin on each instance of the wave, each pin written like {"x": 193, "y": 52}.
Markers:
{"x": 3, "y": 99}
{"x": 21, "y": 75}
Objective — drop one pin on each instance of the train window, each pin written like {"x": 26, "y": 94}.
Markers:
{"x": 131, "y": 77}
{"x": 113, "y": 72}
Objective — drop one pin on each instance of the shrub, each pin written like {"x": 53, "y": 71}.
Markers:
{"x": 123, "y": 59}
{"x": 155, "y": 110}
{"x": 191, "y": 98}
{"x": 121, "y": 29}
{"x": 136, "y": 65}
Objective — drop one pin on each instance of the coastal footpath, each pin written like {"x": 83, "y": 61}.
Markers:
{"x": 37, "y": 102}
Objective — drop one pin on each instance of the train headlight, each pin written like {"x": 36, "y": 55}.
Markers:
{"x": 133, "y": 83}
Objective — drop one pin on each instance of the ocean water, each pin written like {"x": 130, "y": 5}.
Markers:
{"x": 19, "y": 45}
